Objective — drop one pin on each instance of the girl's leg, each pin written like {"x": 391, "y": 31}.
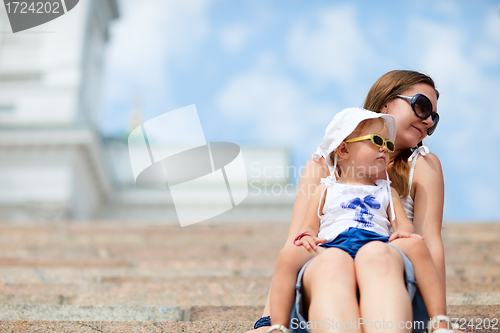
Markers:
{"x": 290, "y": 261}
{"x": 330, "y": 292}
{"x": 426, "y": 274}
{"x": 384, "y": 300}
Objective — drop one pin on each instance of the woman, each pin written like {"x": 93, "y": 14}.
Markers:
{"x": 329, "y": 284}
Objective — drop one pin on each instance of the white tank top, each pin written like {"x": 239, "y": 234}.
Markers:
{"x": 359, "y": 206}
{"x": 408, "y": 201}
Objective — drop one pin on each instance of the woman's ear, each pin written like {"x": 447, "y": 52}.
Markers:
{"x": 343, "y": 151}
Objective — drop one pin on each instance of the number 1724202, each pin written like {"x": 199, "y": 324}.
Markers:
{"x": 23, "y": 7}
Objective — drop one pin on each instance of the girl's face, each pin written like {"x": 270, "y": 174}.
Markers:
{"x": 410, "y": 129}
{"x": 367, "y": 160}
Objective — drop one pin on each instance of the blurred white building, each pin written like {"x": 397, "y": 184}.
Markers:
{"x": 270, "y": 194}
{"x": 54, "y": 165}
{"x": 50, "y": 162}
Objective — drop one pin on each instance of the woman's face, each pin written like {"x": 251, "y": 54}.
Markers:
{"x": 410, "y": 129}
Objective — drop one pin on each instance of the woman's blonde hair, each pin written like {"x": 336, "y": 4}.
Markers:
{"x": 387, "y": 88}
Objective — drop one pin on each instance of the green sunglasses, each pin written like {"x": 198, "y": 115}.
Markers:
{"x": 377, "y": 140}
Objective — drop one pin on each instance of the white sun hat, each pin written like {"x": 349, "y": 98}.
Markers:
{"x": 342, "y": 125}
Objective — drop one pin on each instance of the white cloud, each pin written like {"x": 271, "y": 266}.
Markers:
{"x": 234, "y": 37}
{"x": 266, "y": 60}
{"x": 461, "y": 65}
{"x": 448, "y": 8}
{"x": 492, "y": 24}
{"x": 456, "y": 76}
{"x": 147, "y": 38}
{"x": 441, "y": 50}
{"x": 274, "y": 107}
{"x": 488, "y": 51}
{"x": 459, "y": 78}
{"x": 330, "y": 46}
{"x": 150, "y": 32}
{"x": 487, "y": 54}
{"x": 464, "y": 82}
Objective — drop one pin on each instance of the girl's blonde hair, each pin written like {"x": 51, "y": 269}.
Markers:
{"x": 387, "y": 88}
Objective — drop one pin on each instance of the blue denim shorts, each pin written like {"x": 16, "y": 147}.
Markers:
{"x": 353, "y": 239}
{"x": 298, "y": 317}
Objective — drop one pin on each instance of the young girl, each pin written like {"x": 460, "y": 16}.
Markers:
{"x": 356, "y": 210}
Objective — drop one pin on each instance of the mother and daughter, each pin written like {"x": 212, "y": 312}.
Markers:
{"x": 357, "y": 246}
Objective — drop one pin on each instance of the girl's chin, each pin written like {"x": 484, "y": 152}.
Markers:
{"x": 378, "y": 175}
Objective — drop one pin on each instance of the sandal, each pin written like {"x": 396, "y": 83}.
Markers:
{"x": 280, "y": 328}
{"x": 431, "y": 325}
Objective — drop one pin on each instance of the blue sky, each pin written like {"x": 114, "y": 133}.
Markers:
{"x": 273, "y": 73}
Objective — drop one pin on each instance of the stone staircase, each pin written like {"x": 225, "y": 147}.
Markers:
{"x": 126, "y": 277}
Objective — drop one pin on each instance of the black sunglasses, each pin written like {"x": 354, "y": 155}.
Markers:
{"x": 422, "y": 107}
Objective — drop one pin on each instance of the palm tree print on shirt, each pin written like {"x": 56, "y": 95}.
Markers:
{"x": 363, "y": 215}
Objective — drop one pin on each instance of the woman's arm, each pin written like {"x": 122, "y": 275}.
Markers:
{"x": 428, "y": 186}
{"x": 308, "y": 187}
{"x": 312, "y": 221}
{"x": 401, "y": 226}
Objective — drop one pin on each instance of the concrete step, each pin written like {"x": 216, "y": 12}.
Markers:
{"x": 91, "y": 313}
{"x": 128, "y": 318}
{"x": 130, "y": 312}
{"x": 166, "y": 295}
{"x": 182, "y": 291}
{"x": 89, "y": 253}
{"x": 473, "y": 299}
{"x": 29, "y": 326}
{"x": 472, "y": 318}
{"x": 161, "y": 251}
{"x": 217, "y": 276}
{"x": 74, "y": 276}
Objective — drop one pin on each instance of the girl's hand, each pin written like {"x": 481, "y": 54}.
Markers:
{"x": 403, "y": 234}
{"x": 310, "y": 242}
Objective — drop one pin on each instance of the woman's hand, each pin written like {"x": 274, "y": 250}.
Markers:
{"x": 403, "y": 234}
{"x": 310, "y": 242}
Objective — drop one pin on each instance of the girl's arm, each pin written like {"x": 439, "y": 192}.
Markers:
{"x": 428, "y": 184}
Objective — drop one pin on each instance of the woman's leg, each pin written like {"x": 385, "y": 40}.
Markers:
{"x": 290, "y": 261}
{"x": 330, "y": 291}
{"x": 384, "y": 300}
